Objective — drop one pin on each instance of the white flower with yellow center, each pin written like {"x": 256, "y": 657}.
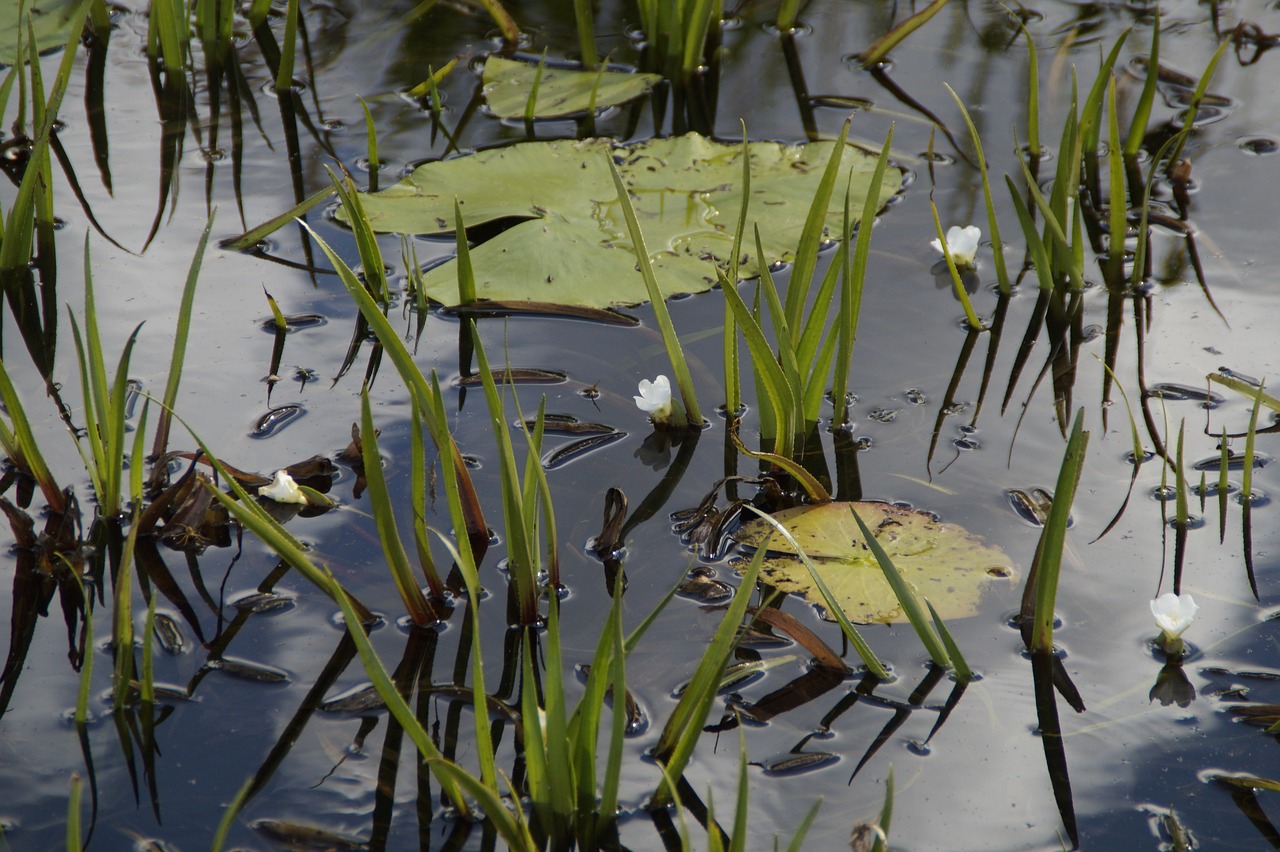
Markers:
{"x": 1174, "y": 614}
{"x": 655, "y": 399}
{"x": 962, "y": 243}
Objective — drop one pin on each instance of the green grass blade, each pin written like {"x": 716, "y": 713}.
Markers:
{"x": 1202, "y": 87}
{"x": 180, "y": 336}
{"x": 74, "y": 842}
{"x": 907, "y": 596}
{"x": 1142, "y": 112}
{"x": 521, "y": 540}
{"x": 30, "y": 458}
{"x": 252, "y": 237}
{"x": 385, "y": 519}
{"x": 531, "y": 102}
{"x": 881, "y": 47}
{"x": 854, "y": 276}
{"x": 781, "y": 398}
{"x": 669, "y": 339}
{"x": 371, "y": 145}
{"x": 466, "y": 273}
{"x": 811, "y": 236}
{"x": 583, "y": 17}
{"x": 956, "y": 284}
{"x": 964, "y": 674}
{"x": 684, "y": 726}
{"x": 993, "y": 223}
{"x": 886, "y": 816}
{"x": 288, "y": 48}
{"x": 802, "y": 830}
{"x": 386, "y": 688}
{"x": 1052, "y": 541}
{"x": 1118, "y": 214}
{"x": 1246, "y": 476}
{"x": 869, "y": 658}
{"x": 738, "y": 839}
{"x": 463, "y": 505}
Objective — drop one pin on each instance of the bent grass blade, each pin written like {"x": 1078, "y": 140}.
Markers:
{"x": 869, "y": 658}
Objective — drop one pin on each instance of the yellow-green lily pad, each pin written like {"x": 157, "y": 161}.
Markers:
{"x": 50, "y": 20}
{"x": 946, "y": 563}
{"x": 561, "y": 91}
{"x": 572, "y": 246}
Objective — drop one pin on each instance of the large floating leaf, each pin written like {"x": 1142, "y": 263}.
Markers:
{"x": 573, "y": 247}
{"x": 50, "y": 19}
{"x": 950, "y": 566}
{"x": 561, "y": 91}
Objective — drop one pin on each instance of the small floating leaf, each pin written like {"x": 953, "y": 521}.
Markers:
{"x": 561, "y": 91}
{"x": 797, "y": 764}
{"x": 950, "y": 566}
{"x": 578, "y": 449}
{"x": 490, "y": 308}
{"x": 567, "y": 424}
{"x": 362, "y": 700}
{"x": 263, "y": 602}
{"x": 169, "y": 634}
{"x": 245, "y": 670}
{"x": 514, "y": 376}
{"x": 297, "y": 835}
{"x": 276, "y": 419}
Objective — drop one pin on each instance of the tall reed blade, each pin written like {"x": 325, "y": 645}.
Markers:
{"x": 675, "y": 354}
{"x": 860, "y": 646}
{"x": 684, "y": 726}
{"x": 1047, "y": 567}
{"x": 908, "y": 597}
{"x": 180, "y": 336}
{"x": 384, "y": 516}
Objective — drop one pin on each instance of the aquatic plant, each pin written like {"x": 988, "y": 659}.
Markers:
{"x": 794, "y": 381}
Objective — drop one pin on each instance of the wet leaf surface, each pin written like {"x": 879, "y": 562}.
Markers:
{"x": 572, "y": 246}
{"x": 561, "y": 91}
{"x": 947, "y": 564}
{"x": 50, "y": 19}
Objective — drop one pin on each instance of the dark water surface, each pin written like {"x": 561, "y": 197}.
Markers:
{"x": 980, "y": 782}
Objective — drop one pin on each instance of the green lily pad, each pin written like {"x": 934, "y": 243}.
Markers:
{"x": 50, "y": 19}
{"x": 946, "y": 563}
{"x": 561, "y": 91}
{"x": 572, "y": 247}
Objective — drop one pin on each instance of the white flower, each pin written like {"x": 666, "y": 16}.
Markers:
{"x": 962, "y": 243}
{"x": 655, "y": 398}
{"x": 1174, "y": 613}
{"x": 283, "y": 490}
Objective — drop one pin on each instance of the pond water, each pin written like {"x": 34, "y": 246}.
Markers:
{"x": 929, "y": 417}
